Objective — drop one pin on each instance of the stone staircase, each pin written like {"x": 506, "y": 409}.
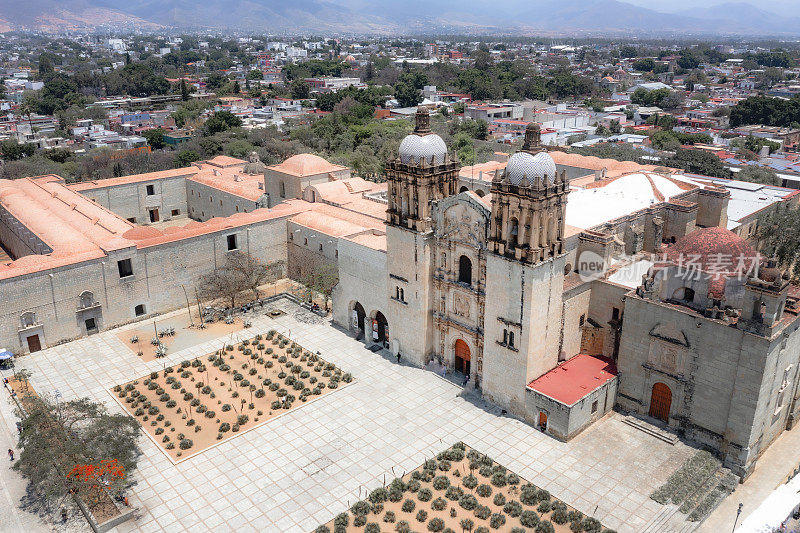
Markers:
{"x": 650, "y": 429}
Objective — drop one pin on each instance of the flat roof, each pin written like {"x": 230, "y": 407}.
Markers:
{"x": 573, "y": 380}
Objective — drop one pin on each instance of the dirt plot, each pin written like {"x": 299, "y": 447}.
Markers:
{"x": 187, "y": 333}
{"x": 461, "y": 490}
{"x": 190, "y": 406}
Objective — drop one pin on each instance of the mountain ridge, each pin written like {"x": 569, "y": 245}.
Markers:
{"x": 391, "y": 18}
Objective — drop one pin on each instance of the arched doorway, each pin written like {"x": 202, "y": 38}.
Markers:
{"x": 660, "y": 402}
{"x": 380, "y": 328}
{"x": 463, "y": 189}
{"x": 357, "y": 318}
{"x": 462, "y": 359}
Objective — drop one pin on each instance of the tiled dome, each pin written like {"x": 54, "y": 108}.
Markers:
{"x": 714, "y": 250}
{"x": 429, "y": 147}
{"x": 531, "y": 166}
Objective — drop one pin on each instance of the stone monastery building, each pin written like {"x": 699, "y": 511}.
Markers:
{"x": 562, "y": 285}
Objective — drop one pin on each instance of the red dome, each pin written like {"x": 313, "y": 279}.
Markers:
{"x": 714, "y": 251}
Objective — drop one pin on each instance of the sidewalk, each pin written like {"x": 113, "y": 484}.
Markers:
{"x": 775, "y": 465}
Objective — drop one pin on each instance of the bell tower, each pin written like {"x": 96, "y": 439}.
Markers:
{"x": 422, "y": 173}
{"x": 529, "y": 202}
{"x": 524, "y": 274}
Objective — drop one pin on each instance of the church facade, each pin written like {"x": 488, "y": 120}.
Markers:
{"x": 497, "y": 288}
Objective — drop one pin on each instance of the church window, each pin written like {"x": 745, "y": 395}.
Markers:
{"x": 514, "y": 233}
{"x": 464, "y": 270}
{"x": 320, "y": 247}
{"x": 402, "y": 295}
{"x": 594, "y": 406}
{"x": 283, "y": 190}
{"x": 505, "y": 336}
{"x": 151, "y": 190}
{"x": 614, "y": 313}
{"x": 28, "y": 319}
{"x": 305, "y": 241}
{"x": 232, "y": 245}
{"x": 582, "y": 320}
{"x": 511, "y": 339}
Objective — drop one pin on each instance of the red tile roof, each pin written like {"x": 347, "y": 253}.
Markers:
{"x": 576, "y": 378}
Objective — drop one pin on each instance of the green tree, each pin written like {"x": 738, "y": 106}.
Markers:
{"x": 221, "y": 121}
{"x": 778, "y": 235}
{"x": 255, "y": 74}
{"x": 407, "y": 95}
{"x": 61, "y": 441}
{"x": 11, "y": 150}
{"x": 215, "y": 81}
{"x": 185, "y": 158}
{"x": 300, "y": 89}
{"x": 184, "y": 91}
{"x": 698, "y": 162}
{"x": 155, "y": 138}
{"x": 756, "y": 174}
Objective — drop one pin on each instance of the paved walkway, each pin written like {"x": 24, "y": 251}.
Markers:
{"x": 300, "y": 470}
{"x": 780, "y": 459}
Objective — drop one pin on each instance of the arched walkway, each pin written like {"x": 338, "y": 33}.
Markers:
{"x": 380, "y": 329}
{"x": 660, "y": 402}
{"x": 463, "y": 189}
{"x": 357, "y": 315}
{"x": 462, "y": 357}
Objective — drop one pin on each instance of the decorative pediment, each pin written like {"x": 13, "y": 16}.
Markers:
{"x": 462, "y": 218}
{"x": 670, "y": 333}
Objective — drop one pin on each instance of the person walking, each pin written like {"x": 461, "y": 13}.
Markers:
{"x": 466, "y": 380}
{"x": 398, "y": 357}
{"x": 11, "y": 453}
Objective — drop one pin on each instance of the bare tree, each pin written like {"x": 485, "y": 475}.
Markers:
{"x": 241, "y": 272}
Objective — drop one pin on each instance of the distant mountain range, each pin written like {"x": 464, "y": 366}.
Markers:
{"x": 588, "y": 17}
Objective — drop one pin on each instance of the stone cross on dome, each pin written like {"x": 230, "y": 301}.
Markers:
{"x": 533, "y": 138}
{"x": 423, "y": 126}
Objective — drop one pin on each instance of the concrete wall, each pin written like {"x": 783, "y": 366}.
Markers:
{"x": 17, "y": 239}
{"x": 158, "y": 274}
{"x": 362, "y": 278}
{"x": 527, "y": 298}
{"x": 409, "y": 266}
{"x": 724, "y": 381}
{"x": 206, "y": 202}
{"x": 575, "y": 306}
{"x": 565, "y": 422}
{"x": 131, "y": 201}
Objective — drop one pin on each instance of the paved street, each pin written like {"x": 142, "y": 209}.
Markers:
{"x": 301, "y": 469}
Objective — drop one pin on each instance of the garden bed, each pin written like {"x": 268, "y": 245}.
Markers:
{"x": 193, "y": 405}
{"x": 187, "y": 333}
{"x": 461, "y": 490}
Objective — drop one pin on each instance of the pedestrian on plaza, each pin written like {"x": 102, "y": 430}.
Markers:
{"x": 466, "y": 380}
{"x": 63, "y": 514}
{"x": 11, "y": 453}
{"x": 398, "y": 358}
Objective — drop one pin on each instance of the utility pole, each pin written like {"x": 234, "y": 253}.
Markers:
{"x": 188, "y": 308}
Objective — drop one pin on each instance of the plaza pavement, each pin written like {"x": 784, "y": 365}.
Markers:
{"x": 301, "y": 469}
